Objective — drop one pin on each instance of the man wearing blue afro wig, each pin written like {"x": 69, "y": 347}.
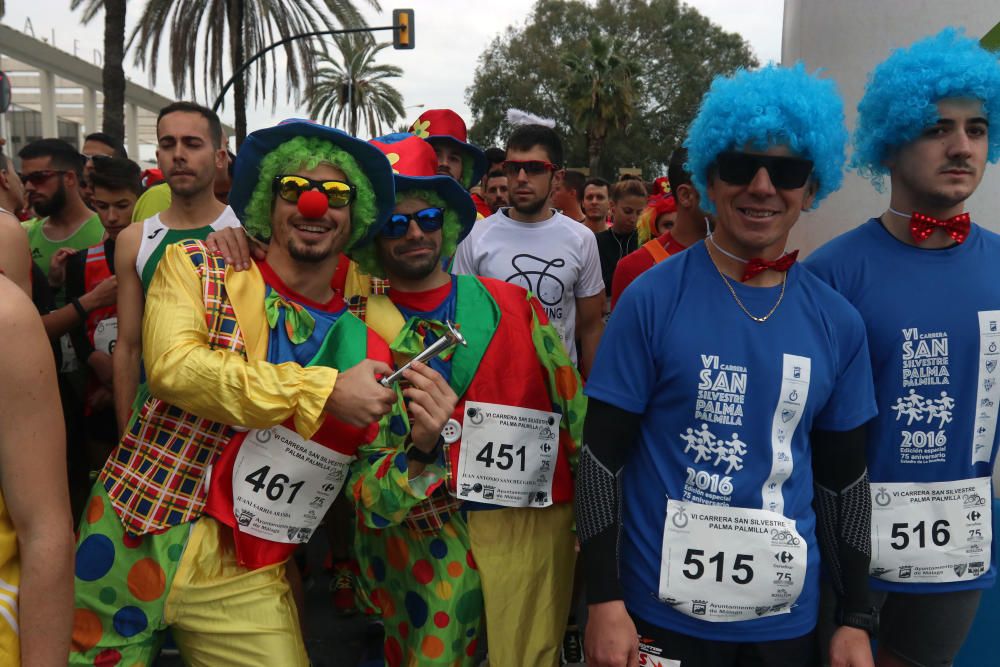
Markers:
{"x": 774, "y": 106}
{"x": 925, "y": 122}
{"x": 746, "y": 399}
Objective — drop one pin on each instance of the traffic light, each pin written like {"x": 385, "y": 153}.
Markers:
{"x": 402, "y": 23}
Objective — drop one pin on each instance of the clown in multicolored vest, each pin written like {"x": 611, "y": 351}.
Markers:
{"x": 254, "y": 352}
{"x": 500, "y": 479}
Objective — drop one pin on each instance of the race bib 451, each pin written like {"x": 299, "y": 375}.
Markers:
{"x": 508, "y": 455}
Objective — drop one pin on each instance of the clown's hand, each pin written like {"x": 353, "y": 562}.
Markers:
{"x": 235, "y": 247}
{"x": 358, "y": 398}
{"x": 430, "y": 401}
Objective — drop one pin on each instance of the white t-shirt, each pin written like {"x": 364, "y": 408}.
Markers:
{"x": 555, "y": 259}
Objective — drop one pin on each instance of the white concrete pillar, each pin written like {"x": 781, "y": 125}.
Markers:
{"x": 47, "y": 101}
{"x": 90, "y": 111}
{"x": 132, "y": 130}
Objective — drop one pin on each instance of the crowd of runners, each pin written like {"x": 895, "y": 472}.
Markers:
{"x": 533, "y": 416}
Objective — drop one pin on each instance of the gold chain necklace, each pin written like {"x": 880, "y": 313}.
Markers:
{"x": 763, "y": 318}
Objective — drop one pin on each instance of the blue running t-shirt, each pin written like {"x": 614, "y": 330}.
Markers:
{"x": 727, "y": 407}
{"x": 933, "y": 323}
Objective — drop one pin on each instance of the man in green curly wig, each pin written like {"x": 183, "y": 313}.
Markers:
{"x": 246, "y": 438}
{"x": 509, "y": 446}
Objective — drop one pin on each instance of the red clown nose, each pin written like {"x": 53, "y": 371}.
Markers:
{"x": 313, "y": 204}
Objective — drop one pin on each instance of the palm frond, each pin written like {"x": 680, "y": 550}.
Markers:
{"x": 350, "y": 90}
{"x": 199, "y": 34}
{"x": 91, "y": 8}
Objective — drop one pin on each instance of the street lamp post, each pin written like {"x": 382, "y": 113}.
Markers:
{"x": 257, "y": 56}
{"x": 402, "y": 39}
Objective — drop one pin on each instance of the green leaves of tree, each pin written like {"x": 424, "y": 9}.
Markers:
{"x": 676, "y": 50}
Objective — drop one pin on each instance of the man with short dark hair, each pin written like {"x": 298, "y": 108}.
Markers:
{"x": 531, "y": 245}
{"x": 102, "y": 143}
{"x": 52, "y": 171}
{"x": 628, "y": 199}
{"x": 494, "y": 160}
{"x": 496, "y": 191}
{"x": 690, "y": 226}
{"x": 596, "y": 203}
{"x": 98, "y": 143}
{"x": 189, "y": 152}
{"x": 567, "y": 193}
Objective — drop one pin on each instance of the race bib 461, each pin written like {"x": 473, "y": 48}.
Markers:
{"x": 283, "y": 484}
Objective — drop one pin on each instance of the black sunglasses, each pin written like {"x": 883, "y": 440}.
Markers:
{"x": 787, "y": 173}
{"x": 531, "y": 167}
{"x": 428, "y": 219}
{"x": 36, "y": 178}
{"x": 338, "y": 193}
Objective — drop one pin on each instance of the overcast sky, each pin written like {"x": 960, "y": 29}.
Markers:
{"x": 450, "y": 35}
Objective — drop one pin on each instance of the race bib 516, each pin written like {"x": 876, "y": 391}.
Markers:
{"x": 931, "y": 533}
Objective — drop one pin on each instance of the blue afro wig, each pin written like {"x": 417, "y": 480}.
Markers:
{"x": 902, "y": 94}
{"x": 766, "y": 107}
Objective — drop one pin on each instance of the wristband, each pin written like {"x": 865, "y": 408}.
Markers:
{"x": 420, "y": 456}
{"x": 80, "y": 310}
{"x": 863, "y": 620}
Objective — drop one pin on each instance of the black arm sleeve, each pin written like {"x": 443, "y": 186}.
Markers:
{"x": 609, "y": 435}
{"x": 75, "y": 288}
{"x": 843, "y": 512}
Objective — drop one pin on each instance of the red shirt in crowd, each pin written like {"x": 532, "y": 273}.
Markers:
{"x": 644, "y": 258}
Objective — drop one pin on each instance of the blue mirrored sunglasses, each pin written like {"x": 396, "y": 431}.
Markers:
{"x": 428, "y": 219}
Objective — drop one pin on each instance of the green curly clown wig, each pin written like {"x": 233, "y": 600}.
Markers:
{"x": 367, "y": 257}
{"x": 467, "y": 167}
{"x": 307, "y": 153}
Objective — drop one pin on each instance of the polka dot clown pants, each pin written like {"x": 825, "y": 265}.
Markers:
{"x": 426, "y": 589}
{"x": 129, "y": 590}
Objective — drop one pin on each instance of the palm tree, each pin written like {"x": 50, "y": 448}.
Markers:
{"x": 113, "y": 73}
{"x": 212, "y": 26}
{"x": 355, "y": 93}
{"x": 600, "y": 91}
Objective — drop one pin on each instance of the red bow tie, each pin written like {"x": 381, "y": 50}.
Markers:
{"x": 922, "y": 226}
{"x": 758, "y": 265}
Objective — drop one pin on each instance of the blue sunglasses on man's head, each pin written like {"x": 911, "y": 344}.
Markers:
{"x": 428, "y": 219}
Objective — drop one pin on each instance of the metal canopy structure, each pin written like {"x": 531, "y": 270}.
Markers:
{"x": 66, "y": 92}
